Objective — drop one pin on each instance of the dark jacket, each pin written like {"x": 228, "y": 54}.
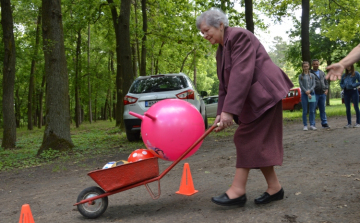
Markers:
{"x": 250, "y": 83}
{"x": 321, "y": 83}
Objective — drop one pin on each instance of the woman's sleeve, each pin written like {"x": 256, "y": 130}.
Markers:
{"x": 243, "y": 58}
{"x": 357, "y": 75}
{"x": 221, "y": 98}
{"x": 342, "y": 84}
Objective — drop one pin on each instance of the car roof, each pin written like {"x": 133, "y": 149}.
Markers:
{"x": 159, "y": 75}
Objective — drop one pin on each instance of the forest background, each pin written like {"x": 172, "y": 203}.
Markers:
{"x": 73, "y": 61}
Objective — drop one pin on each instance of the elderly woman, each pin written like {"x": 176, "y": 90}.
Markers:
{"x": 250, "y": 92}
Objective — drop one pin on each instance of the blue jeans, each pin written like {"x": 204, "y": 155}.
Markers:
{"x": 320, "y": 102}
{"x": 354, "y": 95}
{"x": 304, "y": 102}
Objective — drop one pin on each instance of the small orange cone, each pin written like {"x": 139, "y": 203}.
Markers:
{"x": 25, "y": 215}
{"x": 186, "y": 185}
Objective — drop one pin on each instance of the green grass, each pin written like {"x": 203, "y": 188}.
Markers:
{"x": 336, "y": 108}
{"x": 102, "y": 137}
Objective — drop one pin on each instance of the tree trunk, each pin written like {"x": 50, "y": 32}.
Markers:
{"x": 57, "y": 130}
{"x": 158, "y": 57}
{"x": 17, "y": 108}
{"x": 143, "y": 44}
{"x": 114, "y": 105}
{"x": 249, "y": 15}
{"x": 77, "y": 81}
{"x": 124, "y": 74}
{"x": 305, "y": 42}
{"x": 41, "y": 94}
{"x": 32, "y": 74}
{"x": 183, "y": 63}
{"x": 88, "y": 73}
{"x": 109, "y": 105}
{"x": 137, "y": 48}
{"x": 95, "y": 117}
{"x": 9, "y": 133}
{"x": 134, "y": 59}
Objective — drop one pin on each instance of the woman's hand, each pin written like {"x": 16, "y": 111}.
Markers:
{"x": 335, "y": 71}
{"x": 225, "y": 120}
{"x": 307, "y": 92}
{"x": 309, "y": 96}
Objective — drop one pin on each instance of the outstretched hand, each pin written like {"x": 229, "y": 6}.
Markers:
{"x": 335, "y": 71}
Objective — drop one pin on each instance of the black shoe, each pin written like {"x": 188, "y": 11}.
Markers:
{"x": 267, "y": 198}
{"x": 226, "y": 201}
{"x": 326, "y": 126}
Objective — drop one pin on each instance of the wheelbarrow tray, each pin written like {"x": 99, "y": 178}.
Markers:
{"x": 121, "y": 176}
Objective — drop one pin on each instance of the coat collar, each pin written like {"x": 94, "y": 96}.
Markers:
{"x": 227, "y": 32}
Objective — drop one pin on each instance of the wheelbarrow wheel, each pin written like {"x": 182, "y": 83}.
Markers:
{"x": 94, "y": 208}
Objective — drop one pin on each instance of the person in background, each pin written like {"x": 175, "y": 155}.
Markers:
{"x": 251, "y": 88}
{"x": 350, "y": 80}
{"x": 335, "y": 70}
{"x": 321, "y": 90}
{"x": 307, "y": 85}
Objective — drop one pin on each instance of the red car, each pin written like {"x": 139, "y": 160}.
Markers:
{"x": 292, "y": 101}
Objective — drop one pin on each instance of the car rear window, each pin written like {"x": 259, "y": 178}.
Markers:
{"x": 158, "y": 83}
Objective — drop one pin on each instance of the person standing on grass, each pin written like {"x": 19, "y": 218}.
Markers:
{"x": 321, "y": 90}
{"x": 307, "y": 85}
{"x": 350, "y": 80}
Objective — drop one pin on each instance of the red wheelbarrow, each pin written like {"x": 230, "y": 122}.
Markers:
{"x": 93, "y": 201}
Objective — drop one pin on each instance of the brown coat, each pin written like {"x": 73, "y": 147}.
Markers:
{"x": 250, "y": 83}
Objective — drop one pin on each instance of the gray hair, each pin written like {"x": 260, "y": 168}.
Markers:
{"x": 212, "y": 17}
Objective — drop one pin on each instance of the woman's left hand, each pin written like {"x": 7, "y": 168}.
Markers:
{"x": 226, "y": 120}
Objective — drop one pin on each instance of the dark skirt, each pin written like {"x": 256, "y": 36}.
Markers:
{"x": 259, "y": 143}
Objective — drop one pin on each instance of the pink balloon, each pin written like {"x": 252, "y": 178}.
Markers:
{"x": 170, "y": 127}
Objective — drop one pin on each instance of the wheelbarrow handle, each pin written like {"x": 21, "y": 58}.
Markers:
{"x": 187, "y": 151}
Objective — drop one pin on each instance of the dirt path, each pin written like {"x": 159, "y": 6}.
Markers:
{"x": 320, "y": 176}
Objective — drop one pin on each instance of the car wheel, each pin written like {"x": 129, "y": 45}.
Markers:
{"x": 95, "y": 208}
{"x": 132, "y": 136}
{"x": 297, "y": 107}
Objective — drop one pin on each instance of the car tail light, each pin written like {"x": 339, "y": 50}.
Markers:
{"x": 189, "y": 94}
{"x": 129, "y": 100}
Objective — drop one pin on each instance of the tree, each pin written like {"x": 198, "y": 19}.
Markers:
{"x": 305, "y": 21}
{"x": 57, "y": 130}
{"x": 249, "y": 15}
{"x": 124, "y": 76}
{"x": 143, "y": 44}
{"x": 32, "y": 73}
{"x": 9, "y": 134}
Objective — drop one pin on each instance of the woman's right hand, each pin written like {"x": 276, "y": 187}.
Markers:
{"x": 217, "y": 120}
{"x": 309, "y": 96}
{"x": 308, "y": 92}
{"x": 225, "y": 120}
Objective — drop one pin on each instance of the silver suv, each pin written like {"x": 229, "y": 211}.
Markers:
{"x": 147, "y": 90}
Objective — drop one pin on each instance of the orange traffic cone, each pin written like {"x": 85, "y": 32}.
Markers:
{"x": 186, "y": 185}
{"x": 25, "y": 215}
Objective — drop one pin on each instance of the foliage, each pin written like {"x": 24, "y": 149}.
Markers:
{"x": 173, "y": 43}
